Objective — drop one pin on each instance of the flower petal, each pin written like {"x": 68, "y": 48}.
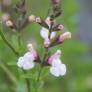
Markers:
{"x": 54, "y": 71}
{"x": 62, "y": 69}
{"x": 20, "y": 62}
{"x": 44, "y": 33}
{"x": 28, "y": 65}
{"x": 28, "y": 56}
{"x": 53, "y": 34}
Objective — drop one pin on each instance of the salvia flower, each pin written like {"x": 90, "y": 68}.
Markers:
{"x": 45, "y": 33}
{"x": 26, "y": 62}
{"x": 57, "y": 68}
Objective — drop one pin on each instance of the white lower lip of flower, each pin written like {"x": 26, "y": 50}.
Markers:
{"x": 54, "y": 71}
{"x": 57, "y": 68}
{"x": 62, "y": 69}
{"x": 44, "y": 33}
{"x": 20, "y": 62}
{"x": 26, "y": 62}
{"x": 28, "y": 56}
{"x": 58, "y": 71}
{"x": 28, "y": 65}
{"x": 53, "y": 34}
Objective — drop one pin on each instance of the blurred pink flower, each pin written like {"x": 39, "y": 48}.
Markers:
{"x": 27, "y": 61}
{"x": 57, "y": 67}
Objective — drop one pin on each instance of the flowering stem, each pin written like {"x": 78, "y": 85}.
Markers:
{"x": 27, "y": 82}
{"x": 27, "y": 85}
{"x": 41, "y": 67}
{"x": 8, "y": 44}
{"x": 39, "y": 73}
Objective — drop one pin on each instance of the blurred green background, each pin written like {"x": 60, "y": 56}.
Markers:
{"x": 76, "y": 53}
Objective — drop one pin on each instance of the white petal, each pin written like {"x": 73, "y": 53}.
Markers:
{"x": 28, "y": 56}
{"x": 28, "y": 65}
{"x": 48, "y": 21}
{"x": 20, "y": 62}
{"x": 56, "y": 62}
{"x": 53, "y": 34}
{"x": 54, "y": 71}
{"x": 44, "y": 33}
{"x": 62, "y": 69}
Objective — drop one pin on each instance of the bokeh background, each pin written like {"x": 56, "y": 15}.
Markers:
{"x": 76, "y": 53}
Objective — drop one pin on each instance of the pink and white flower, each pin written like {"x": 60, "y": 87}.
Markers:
{"x": 57, "y": 67}
{"x": 45, "y": 33}
{"x": 27, "y": 61}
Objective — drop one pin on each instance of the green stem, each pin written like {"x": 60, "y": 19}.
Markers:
{"x": 41, "y": 68}
{"x": 27, "y": 82}
{"x": 8, "y": 44}
{"x": 39, "y": 73}
{"x": 27, "y": 85}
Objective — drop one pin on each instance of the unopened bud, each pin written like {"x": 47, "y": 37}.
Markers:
{"x": 31, "y": 18}
{"x": 30, "y": 47}
{"x": 64, "y": 36}
{"x": 60, "y": 27}
{"x": 38, "y": 20}
{"x": 9, "y": 23}
{"x": 5, "y": 17}
{"x": 58, "y": 52}
{"x": 55, "y": 1}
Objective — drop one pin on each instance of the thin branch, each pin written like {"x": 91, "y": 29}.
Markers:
{"x": 8, "y": 44}
{"x": 8, "y": 72}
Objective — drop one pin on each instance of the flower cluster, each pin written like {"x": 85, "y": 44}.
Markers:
{"x": 49, "y": 34}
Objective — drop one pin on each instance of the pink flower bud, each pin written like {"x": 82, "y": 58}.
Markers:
{"x": 54, "y": 56}
{"x": 32, "y": 51}
{"x": 46, "y": 43}
{"x": 64, "y": 36}
{"x": 55, "y": 1}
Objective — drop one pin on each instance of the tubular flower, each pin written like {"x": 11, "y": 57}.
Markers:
{"x": 45, "y": 33}
{"x": 64, "y": 36}
{"x": 57, "y": 67}
{"x": 27, "y": 61}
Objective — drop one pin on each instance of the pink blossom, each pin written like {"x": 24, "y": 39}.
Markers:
{"x": 57, "y": 67}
